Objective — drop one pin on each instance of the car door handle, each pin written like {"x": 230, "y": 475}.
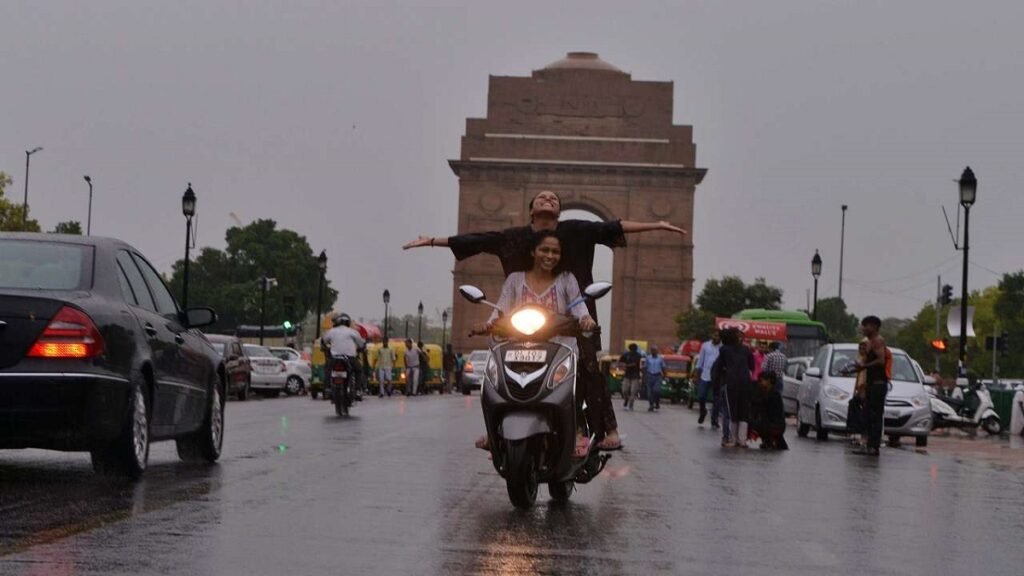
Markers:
{"x": 179, "y": 338}
{"x": 150, "y": 330}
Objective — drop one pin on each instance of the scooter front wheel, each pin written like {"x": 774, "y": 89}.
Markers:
{"x": 520, "y": 474}
{"x": 992, "y": 425}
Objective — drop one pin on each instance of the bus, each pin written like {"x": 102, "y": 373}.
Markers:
{"x": 804, "y": 336}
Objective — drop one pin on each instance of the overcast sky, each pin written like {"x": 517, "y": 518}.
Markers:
{"x": 337, "y": 120}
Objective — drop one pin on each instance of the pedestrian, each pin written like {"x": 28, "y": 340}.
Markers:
{"x": 412, "y": 368}
{"x": 460, "y": 367}
{"x": 732, "y": 373}
{"x": 578, "y": 239}
{"x": 767, "y": 416}
{"x": 424, "y": 367}
{"x": 448, "y": 366}
{"x": 631, "y": 378}
{"x": 855, "y": 409}
{"x": 654, "y": 372}
{"x": 759, "y": 349}
{"x": 876, "y": 386}
{"x": 705, "y": 360}
{"x": 384, "y": 366}
{"x": 775, "y": 362}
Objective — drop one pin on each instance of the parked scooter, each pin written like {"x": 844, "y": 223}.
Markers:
{"x": 529, "y": 402}
{"x": 973, "y": 410}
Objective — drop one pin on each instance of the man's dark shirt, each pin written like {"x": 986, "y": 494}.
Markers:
{"x": 512, "y": 246}
{"x": 632, "y": 361}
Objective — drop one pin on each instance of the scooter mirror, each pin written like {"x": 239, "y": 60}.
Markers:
{"x": 598, "y": 290}
{"x": 472, "y": 293}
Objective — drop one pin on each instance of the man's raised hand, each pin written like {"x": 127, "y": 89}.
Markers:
{"x": 418, "y": 243}
{"x": 672, "y": 228}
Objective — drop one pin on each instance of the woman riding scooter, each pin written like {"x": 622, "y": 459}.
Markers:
{"x": 544, "y": 284}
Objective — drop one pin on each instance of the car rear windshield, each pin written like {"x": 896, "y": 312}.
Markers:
{"x": 36, "y": 265}
{"x": 479, "y": 356}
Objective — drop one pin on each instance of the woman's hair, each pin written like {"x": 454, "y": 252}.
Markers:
{"x": 731, "y": 337}
{"x": 540, "y": 236}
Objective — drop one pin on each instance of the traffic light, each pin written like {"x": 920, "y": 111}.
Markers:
{"x": 1004, "y": 343}
{"x": 286, "y": 325}
{"x": 940, "y": 345}
{"x": 947, "y": 295}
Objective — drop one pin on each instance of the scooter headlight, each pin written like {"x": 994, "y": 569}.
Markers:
{"x": 562, "y": 373}
{"x": 529, "y": 320}
{"x": 491, "y": 372}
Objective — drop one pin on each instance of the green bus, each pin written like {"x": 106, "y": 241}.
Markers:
{"x": 804, "y": 336}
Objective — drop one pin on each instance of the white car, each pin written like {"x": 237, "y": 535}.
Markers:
{"x": 269, "y": 373}
{"x": 792, "y": 381}
{"x": 299, "y": 369}
{"x": 826, "y": 392}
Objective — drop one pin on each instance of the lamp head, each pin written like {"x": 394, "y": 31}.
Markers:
{"x": 420, "y": 308}
{"x": 387, "y": 296}
{"x": 87, "y": 179}
{"x": 188, "y": 202}
{"x": 968, "y": 187}
{"x": 816, "y": 265}
{"x": 321, "y": 260}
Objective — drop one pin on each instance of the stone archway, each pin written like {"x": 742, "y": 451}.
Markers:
{"x": 606, "y": 144}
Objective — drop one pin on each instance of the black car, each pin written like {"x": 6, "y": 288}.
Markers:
{"x": 96, "y": 355}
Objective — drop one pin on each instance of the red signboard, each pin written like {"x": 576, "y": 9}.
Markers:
{"x": 754, "y": 329}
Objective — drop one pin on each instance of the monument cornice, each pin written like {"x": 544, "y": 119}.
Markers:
{"x": 462, "y": 166}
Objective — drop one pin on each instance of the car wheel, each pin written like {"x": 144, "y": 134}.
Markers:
{"x": 204, "y": 445}
{"x": 819, "y": 432}
{"x": 293, "y": 386}
{"x": 921, "y": 441}
{"x": 127, "y": 455}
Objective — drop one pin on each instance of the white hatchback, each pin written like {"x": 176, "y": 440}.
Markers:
{"x": 299, "y": 370}
{"x": 826, "y": 392}
{"x": 269, "y": 373}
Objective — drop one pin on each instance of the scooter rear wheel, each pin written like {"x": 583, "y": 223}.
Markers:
{"x": 520, "y": 474}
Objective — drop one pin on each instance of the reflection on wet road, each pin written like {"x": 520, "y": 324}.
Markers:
{"x": 398, "y": 489}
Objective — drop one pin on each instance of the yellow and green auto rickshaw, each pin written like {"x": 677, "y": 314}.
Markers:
{"x": 676, "y": 384}
{"x": 432, "y": 372}
{"x": 612, "y": 369}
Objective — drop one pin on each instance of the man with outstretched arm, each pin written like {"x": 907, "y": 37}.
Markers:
{"x": 578, "y": 239}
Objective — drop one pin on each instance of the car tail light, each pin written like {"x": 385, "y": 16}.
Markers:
{"x": 468, "y": 368}
{"x": 70, "y": 334}
{"x": 283, "y": 367}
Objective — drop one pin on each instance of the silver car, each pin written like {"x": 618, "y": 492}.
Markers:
{"x": 825, "y": 396}
{"x": 792, "y": 382}
{"x": 299, "y": 369}
{"x": 473, "y": 373}
{"x": 269, "y": 373}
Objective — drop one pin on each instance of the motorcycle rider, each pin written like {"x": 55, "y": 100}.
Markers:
{"x": 342, "y": 341}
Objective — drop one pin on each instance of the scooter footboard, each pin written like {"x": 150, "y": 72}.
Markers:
{"x": 522, "y": 425}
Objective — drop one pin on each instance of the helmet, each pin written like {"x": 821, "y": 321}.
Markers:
{"x": 342, "y": 319}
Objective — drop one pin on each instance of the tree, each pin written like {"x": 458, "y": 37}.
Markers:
{"x": 842, "y": 326}
{"x": 729, "y": 295}
{"x": 10, "y": 213}
{"x": 695, "y": 324}
{"x": 229, "y": 280}
{"x": 70, "y": 227}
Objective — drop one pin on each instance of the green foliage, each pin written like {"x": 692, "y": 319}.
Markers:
{"x": 11, "y": 213}
{"x": 70, "y": 227}
{"x": 842, "y": 326}
{"x": 729, "y": 295}
{"x": 695, "y": 324}
{"x": 228, "y": 280}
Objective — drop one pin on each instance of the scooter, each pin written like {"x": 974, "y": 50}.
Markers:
{"x": 529, "y": 404}
{"x": 973, "y": 410}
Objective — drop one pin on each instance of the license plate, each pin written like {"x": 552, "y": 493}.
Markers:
{"x": 339, "y": 374}
{"x": 534, "y": 356}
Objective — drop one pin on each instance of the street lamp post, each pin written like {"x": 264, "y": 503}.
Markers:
{"x": 88, "y": 221}
{"x": 419, "y": 328}
{"x": 816, "y": 272}
{"x": 188, "y": 208}
{"x": 444, "y": 330}
{"x": 842, "y": 246}
{"x": 321, "y": 264}
{"x": 265, "y": 283}
{"x": 387, "y": 301}
{"x": 968, "y": 194}
{"x": 24, "y": 205}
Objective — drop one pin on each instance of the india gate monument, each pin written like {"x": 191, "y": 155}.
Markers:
{"x": 605, "y": 143}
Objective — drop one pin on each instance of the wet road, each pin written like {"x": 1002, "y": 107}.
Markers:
{"x": 397, "y": 489}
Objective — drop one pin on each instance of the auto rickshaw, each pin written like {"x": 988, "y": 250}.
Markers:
{"x": 613, "y": 370}
{"x": 432, "y": 371}
{"x": 676, "y": 385}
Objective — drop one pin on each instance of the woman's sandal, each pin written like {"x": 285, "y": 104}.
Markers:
{"x": 482, "y": 443}
{"x": 609, "y": 444}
